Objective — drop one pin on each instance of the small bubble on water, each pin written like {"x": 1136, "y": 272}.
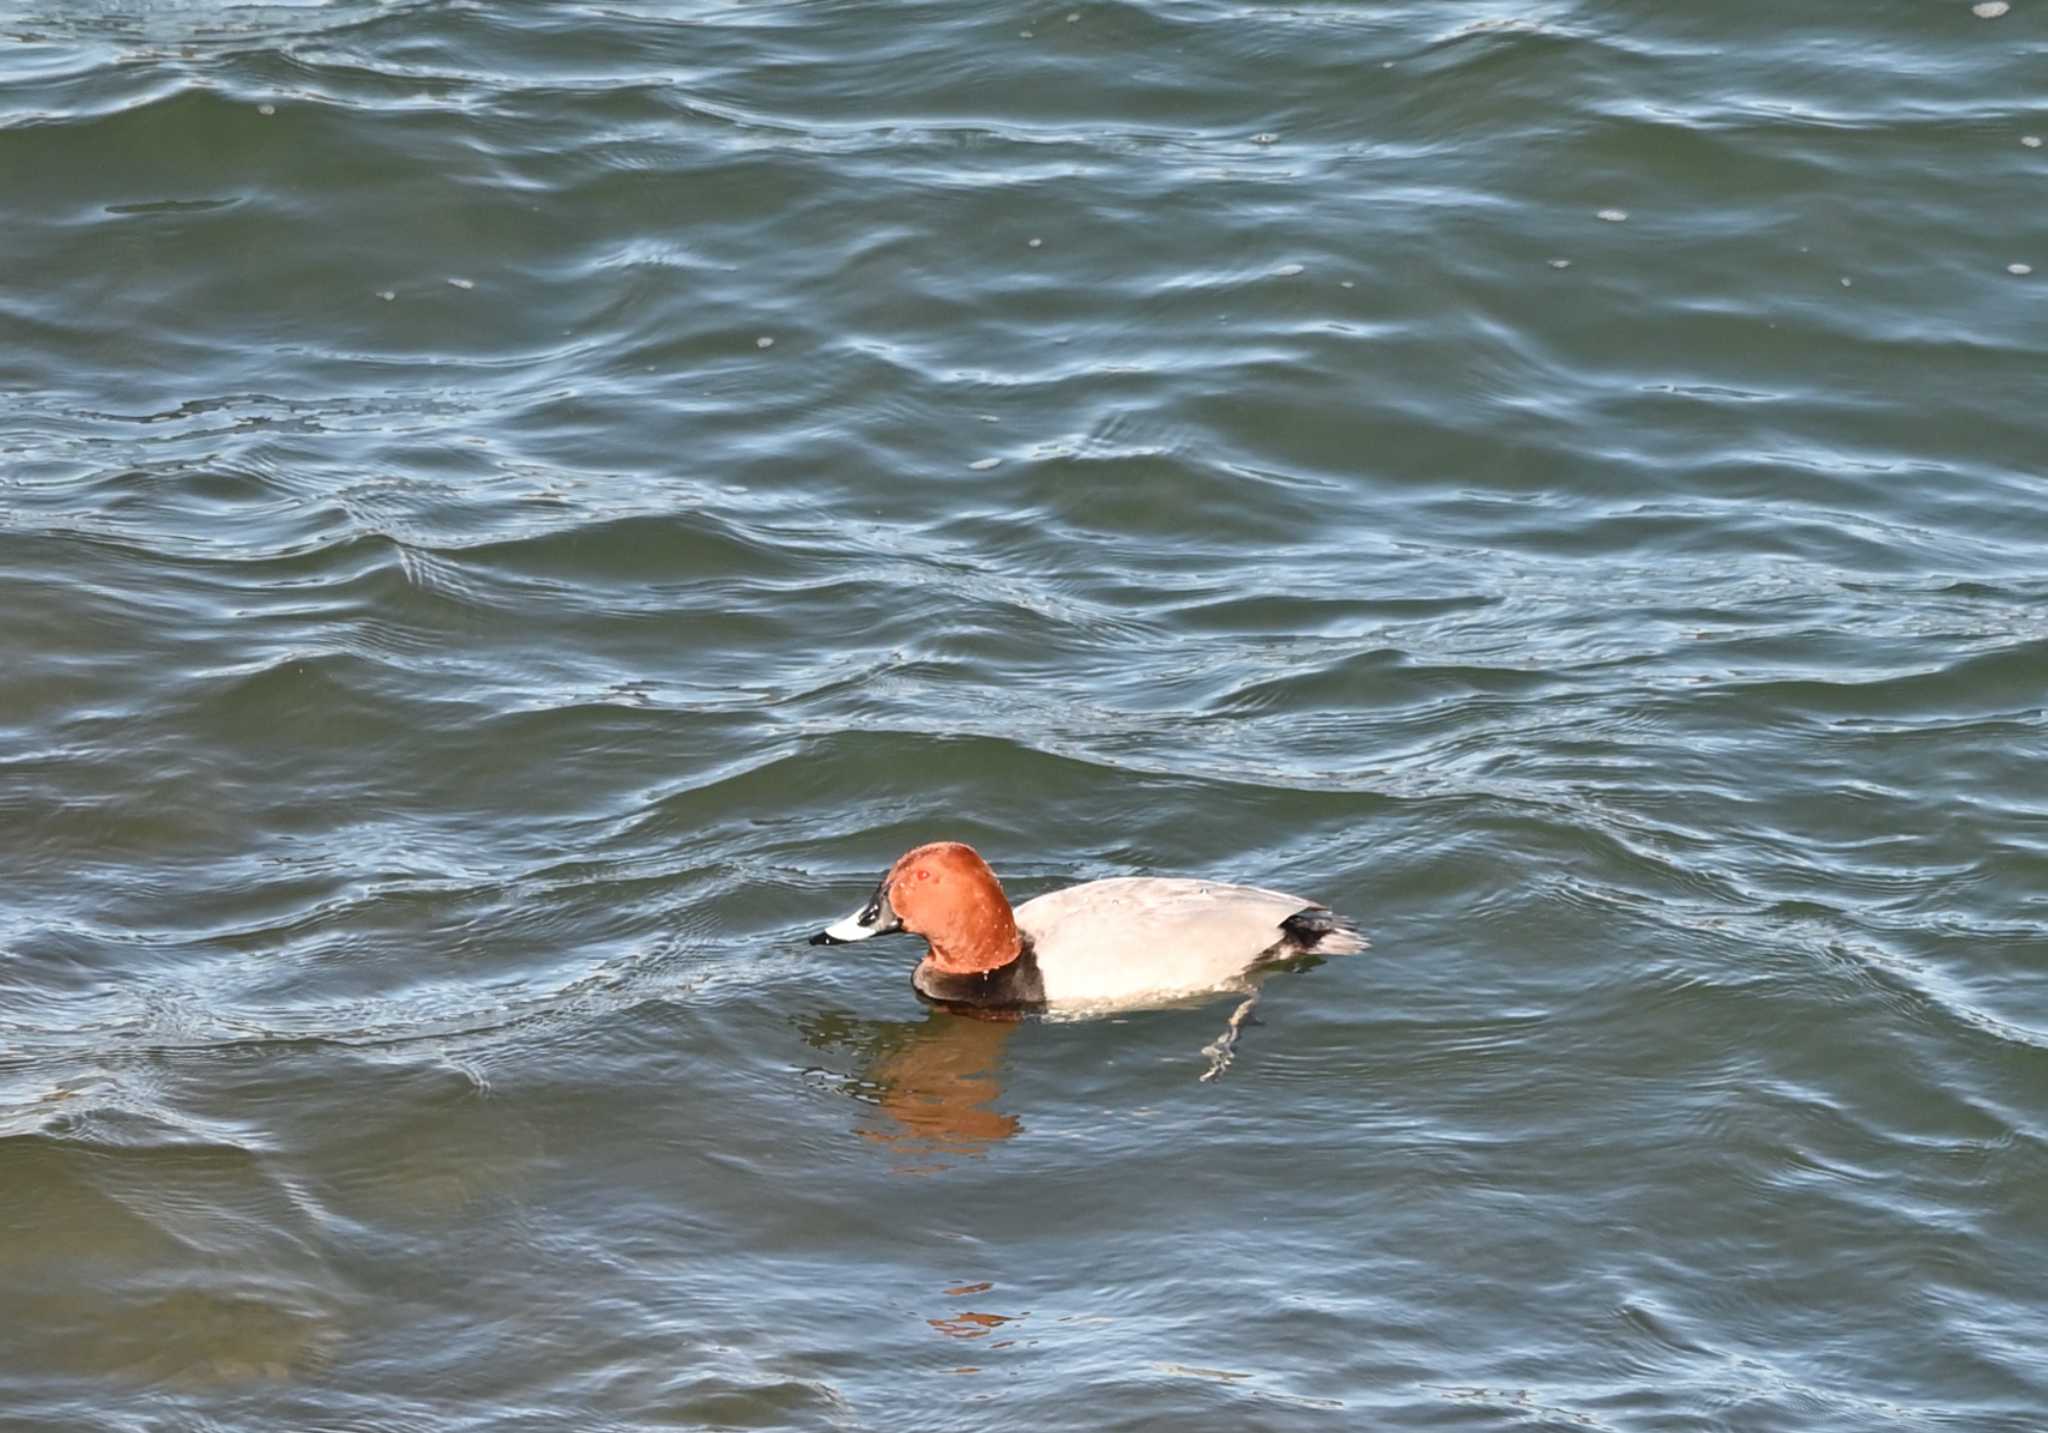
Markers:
{"x": 1288, "y": 271}
{"x": 2031, "y": 141}
{"x": 764, "y": 341}
{"x": 266, "y": 109}
{"x": 1560, "y": 263}
{"x": 1614, "y": 216}
{"x": 982, "y": 465}
{"x": 2022, "y": 270}
{"x": 455, "y": 283}
{"x": 1036, "y": 244}
{"x": 1347, "y": 283}
{"x": 1074, "y": 17}
{"x": 1989, "y": 9}
{"x": 1026, "y": 35}
{"x": 1386, "y": 64}
{"x": 386, "y": 294}
{"x": 1847, "y": 282}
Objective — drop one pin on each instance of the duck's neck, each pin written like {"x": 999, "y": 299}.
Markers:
{"x": 988, "y": 945}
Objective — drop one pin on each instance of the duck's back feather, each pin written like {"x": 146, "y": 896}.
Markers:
{"x": 1138, "y": 937}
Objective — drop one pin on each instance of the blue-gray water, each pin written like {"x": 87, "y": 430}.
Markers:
{"x": 511, "y": 515}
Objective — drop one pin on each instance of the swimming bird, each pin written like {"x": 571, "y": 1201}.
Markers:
{"x": 1127, "y": 941}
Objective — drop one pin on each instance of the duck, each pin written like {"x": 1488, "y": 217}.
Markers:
{"x": 1123, "y": 942}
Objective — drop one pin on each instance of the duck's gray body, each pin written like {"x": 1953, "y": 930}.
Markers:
{"x": 1134, "y": 940}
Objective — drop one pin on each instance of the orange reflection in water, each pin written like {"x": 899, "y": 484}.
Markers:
{"x": 938, "y": 1089}
{"x": 973, "y": 1323}
{"x": 928, "y": 1088}
{"x": 970, "y": 1325}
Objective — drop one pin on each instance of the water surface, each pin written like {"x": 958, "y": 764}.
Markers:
{"x": 511, "y": 516}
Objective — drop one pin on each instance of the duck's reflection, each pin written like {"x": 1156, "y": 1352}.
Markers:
{"x": 930, "y": 1085}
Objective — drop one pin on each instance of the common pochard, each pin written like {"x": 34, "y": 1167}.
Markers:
{"x": 1127, "y": 941}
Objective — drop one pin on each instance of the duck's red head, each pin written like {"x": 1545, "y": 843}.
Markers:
{"x": 946, "y": 893}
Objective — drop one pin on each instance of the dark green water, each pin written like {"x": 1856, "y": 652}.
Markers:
{"x": 512, "y": 514}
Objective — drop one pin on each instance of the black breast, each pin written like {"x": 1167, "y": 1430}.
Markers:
{"x": 1016, "y": 986}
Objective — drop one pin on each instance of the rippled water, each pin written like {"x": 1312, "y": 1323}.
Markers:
{"x": 511, "y": 516}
